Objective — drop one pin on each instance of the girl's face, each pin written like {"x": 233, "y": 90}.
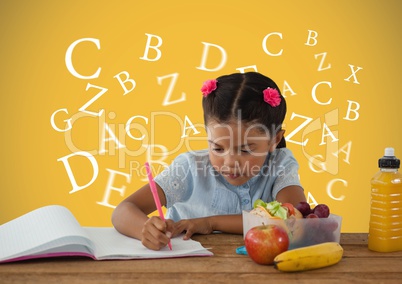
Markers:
{"x": 238, "y": 151}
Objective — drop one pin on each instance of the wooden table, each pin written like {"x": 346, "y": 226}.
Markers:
{"x": 359, "y": 265}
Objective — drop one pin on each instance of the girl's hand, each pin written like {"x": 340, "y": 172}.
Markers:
{"x": 193, "y": 226}
{"x": 156, "y": 233}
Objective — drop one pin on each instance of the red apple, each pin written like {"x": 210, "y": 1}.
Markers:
{"x": 264, "y": 243}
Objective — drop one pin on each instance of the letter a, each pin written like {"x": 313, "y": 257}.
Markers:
{"x": 286, "y": 87}
{"x": 346, "y": 149}
{"x": 112, "y": 138}
{"x": 325, "y": 133}
{"x": 187, "y": 120}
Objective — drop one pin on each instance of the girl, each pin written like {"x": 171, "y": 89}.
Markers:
{"x": 247, "y": 159}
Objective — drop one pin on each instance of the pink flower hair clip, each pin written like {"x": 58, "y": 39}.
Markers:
{"x": 208, "y": 87}
{"x": 272, "y": 97}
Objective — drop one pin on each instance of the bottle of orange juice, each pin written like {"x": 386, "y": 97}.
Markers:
{"x": 385, "y": 230}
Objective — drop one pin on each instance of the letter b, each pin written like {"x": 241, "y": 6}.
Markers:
{"x": 154, "y": 47}
{"x": 312, "y": 36}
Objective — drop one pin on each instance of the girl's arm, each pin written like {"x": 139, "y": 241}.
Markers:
{"x": 130, "y": 218}
{"x": 225, "y": 223}
{"x": 232, "y": 223}
{"x": 291, "y": 194}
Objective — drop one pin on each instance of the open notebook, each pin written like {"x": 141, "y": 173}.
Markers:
{"x": 53, "y": 231}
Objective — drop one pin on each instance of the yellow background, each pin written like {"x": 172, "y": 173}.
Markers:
{"x": 35, "y": 83}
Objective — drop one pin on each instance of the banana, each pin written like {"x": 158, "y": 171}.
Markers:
{"x": 309, "y": 257}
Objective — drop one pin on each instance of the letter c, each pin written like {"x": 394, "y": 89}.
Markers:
{"x": 69, "y": 63}
{"x": 329, "y": 188}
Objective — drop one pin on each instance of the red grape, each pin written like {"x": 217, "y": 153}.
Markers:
{"x": 304, "y": 208}
{"x": 311, "y": 215}
{"x": 321, "y": 210}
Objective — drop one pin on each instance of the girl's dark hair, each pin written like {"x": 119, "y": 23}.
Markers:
{"x": 240, "y": 96}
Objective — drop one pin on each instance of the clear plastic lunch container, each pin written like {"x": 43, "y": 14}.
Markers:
{"x": 302, "y": 232}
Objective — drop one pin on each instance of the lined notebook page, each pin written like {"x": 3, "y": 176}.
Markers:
{"x": 38, "y": 230}
{"x": 54, "y": 231}
{"x": 109, "y": 244}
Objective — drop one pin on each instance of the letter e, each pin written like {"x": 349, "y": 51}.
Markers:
{"x": 110, "y": 187}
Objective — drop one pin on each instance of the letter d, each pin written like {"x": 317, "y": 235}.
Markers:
{"x": 70, "y": 174}
{"x": 205, "y": 55}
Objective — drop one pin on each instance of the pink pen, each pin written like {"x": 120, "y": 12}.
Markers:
{"x": 155, "y": 195}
